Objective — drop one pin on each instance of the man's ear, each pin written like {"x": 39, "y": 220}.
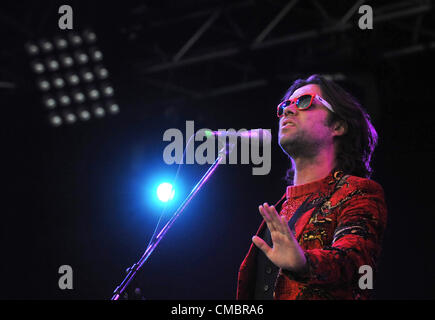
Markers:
{"x": 340, "y": 128}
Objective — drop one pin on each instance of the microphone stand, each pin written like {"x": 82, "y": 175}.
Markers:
{"x": 135, "y": 267}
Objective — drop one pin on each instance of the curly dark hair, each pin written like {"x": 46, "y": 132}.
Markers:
{"x": 355, "y": 147}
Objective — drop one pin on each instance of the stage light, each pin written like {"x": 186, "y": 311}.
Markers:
{"x": 86, "y": 75}
{"x": 101, "y": 72}
{"x": 93, "y": 93}
{"x": 81, "y": 57}
{"x": 69, "y": 117}
{"x": 112, "y": 107}
{"x": 107, "y": 90}
{"x": 96, "y": 54}
{"x": 52, "y": 64}
{"x": 89, "y": 36}
{"x": 165, "y": 192}
{"x": 98, "y": 111}
{"x": 64, "y": 99}
{"x": 43, "y": 84}
{"x": 66, "y": 60}
{"x": 75, "y": 76}
{"x": 31, "y": 48}
{"x": 78, "y": 96}
{"x": 46, "y": 46}
{"x": 84, "y": 114}
{"x": 58, "y": 82}
{"x": 72, "y": 79}
{"x": 60, "y": 43}
{"x": 75, "y": 39}
{"x": 49, "y": 102}
{"x": 38, "y": 67}
{"x": 55, "y": 120}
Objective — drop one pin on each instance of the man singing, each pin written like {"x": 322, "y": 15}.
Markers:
{"x": 330, "y": 226}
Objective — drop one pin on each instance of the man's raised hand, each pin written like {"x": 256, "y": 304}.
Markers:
{"x": 285, "y": 252}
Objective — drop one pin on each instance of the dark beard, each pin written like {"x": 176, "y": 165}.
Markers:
{"x": 300, "y": 146}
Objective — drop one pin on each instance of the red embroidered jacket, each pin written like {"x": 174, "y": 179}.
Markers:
{"x": 338, "y": 238}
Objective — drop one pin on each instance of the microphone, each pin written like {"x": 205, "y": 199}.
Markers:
{"x": 257, "y": 135}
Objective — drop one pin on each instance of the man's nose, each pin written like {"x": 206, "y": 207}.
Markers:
{"x": 290, "y": 109}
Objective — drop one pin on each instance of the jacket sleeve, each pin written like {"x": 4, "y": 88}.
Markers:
{"x": 356, "y": 240}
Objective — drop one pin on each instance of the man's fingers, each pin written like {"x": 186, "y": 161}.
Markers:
{"x": 284, "y": 226}
{"x": 266, "y": 217}
{"x": 285, "y": 230}
{"x": 272, "y": 213}
{"x": 263, "y": 213}
{"x": 262, "y": 245}
{"x": 274, "y": 217}
{"x": 274, "y": 221}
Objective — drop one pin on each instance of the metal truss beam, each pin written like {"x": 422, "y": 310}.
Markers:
{"x": 381, "y": 14}
{"x": 275, "y": 21}
{"x": 207, "y": 24}
{"x": 417, "y": 48}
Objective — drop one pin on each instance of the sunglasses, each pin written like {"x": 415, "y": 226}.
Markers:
{"x": 302, "y": 103}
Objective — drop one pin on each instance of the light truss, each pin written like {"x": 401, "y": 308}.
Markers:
{"x": 381, "y": 14}
{"x": 192, "y": 54}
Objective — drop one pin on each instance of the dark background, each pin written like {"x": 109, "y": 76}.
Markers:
{"x": 80, "y": 194}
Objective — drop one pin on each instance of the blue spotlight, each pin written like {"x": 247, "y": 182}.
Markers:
{"x": 165, "y": 192}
